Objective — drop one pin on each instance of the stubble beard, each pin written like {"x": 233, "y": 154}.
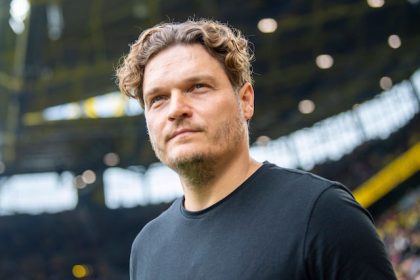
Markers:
{"x": 198, "y": 169}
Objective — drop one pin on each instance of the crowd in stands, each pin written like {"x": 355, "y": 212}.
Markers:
{"x": 399, "y": 228}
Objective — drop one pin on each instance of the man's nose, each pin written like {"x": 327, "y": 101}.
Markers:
{"x": 179, "y": 106}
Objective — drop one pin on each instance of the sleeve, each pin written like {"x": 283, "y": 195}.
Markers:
{"x": 341, "y": 241}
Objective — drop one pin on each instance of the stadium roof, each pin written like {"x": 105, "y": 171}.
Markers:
{"x": 334, "y": 53}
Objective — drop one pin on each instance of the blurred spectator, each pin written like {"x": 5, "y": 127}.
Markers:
{"x": 399, "y": 228}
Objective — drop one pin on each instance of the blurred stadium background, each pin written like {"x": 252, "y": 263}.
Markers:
{"x": 337, "y": 93}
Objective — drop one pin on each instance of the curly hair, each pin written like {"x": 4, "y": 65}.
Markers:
{"x": 224, "y": 43}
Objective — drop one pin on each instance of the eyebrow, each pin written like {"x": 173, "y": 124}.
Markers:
{"x": 151, "y": 92}
{"x": 190, "y": 80}
{"x": 198, "y": 78}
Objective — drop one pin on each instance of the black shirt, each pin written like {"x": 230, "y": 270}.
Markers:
{"x": 279, "y": 224}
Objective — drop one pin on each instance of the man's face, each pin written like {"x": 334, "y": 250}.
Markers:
{"x": 191, "y": 109}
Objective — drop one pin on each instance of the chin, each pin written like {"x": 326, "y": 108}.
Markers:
{"x": 185, "y": 158}
{"x": 185, "y": 153}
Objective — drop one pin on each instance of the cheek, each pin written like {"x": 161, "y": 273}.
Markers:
{"x": 228, "y": 111}
{"x": 151, "y": 130}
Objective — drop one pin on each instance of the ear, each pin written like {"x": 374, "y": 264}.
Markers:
{"x": 246, "y": 98}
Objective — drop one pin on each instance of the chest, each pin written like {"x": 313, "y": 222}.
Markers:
{"x": 235, "y": 246}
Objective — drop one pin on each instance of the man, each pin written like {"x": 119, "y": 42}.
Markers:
{"x": 238, "y": 219}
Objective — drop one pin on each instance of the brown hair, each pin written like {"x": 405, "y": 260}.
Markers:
{"x": 224, "y": 43}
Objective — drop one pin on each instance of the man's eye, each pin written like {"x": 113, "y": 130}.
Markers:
{"x": 156, "y": 98}
{"x": 198, "y": 86}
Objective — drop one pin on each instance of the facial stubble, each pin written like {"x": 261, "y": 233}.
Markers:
{"x": 198, "y": 168}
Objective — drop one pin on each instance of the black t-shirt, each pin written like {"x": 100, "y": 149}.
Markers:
{"x": 279, "y": 224}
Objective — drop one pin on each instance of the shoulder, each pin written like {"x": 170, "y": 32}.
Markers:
{"x": 294, "y": 182}
{"x": 341, "y": 240}
{"x": 336, "y": 210}
{"x": 148, "y": 233}
{"x": 293, "y": 193}
{"x": 274, "y": 172}
{"x": 144, "y": 244}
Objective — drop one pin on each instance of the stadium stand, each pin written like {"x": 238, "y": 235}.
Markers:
{"x": 370, "y": 157}
{"x": 63, "y": 53}
{"x": 399, "y": 228}
{"x": 97, "y": 240}
{"x": 96, "y": 244}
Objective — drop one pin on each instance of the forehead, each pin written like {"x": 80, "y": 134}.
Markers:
{"x": 180, "y": 62}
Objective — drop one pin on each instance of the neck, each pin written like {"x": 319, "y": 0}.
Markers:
{"x": 216, "y": 180}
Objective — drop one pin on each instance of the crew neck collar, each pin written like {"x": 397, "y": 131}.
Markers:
{"x": 203, "y": 212}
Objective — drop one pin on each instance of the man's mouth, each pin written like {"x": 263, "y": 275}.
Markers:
{"x": 181, "y": 131}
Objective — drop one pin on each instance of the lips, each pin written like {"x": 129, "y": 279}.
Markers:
{"x": 181, "y": 131}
